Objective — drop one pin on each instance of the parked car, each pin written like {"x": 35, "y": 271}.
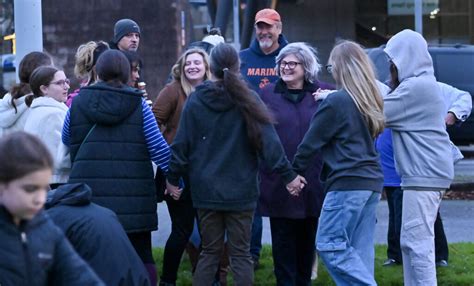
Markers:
{"x": 7, "y": 72}
{"x": 454, "y": 65}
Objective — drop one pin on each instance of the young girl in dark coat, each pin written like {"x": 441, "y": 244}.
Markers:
{"x": 33, "y": 250}
{"x": 223, "y": 133}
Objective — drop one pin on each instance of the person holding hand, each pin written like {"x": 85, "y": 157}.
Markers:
{"x": 224, "y": 132}
{"x": 343, "y": 129}
{"x": 293, "y": 220}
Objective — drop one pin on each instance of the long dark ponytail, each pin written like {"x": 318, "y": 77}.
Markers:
{"x": 225, "y": 65}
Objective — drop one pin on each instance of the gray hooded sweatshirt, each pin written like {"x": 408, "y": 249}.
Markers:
{"x": 415, "y": 111}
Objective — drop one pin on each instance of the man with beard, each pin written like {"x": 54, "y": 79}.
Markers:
{"x": 258, "y": 67}
{"x": 258, "y": 61}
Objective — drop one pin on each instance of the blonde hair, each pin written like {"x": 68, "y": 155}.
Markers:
{"x": 177, "y": 71}
{"x": 85, "y": 60}
{"x": 353, "y": 70}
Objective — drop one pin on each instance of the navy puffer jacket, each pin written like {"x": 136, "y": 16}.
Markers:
{"x": 36, "y": 253}
{"x": 97, "y": 235}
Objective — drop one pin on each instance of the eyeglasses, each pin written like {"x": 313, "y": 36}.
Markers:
{"x": 291, "y": 65}
{"x": 329, "y": 68}
{"x": 62, "y": 82}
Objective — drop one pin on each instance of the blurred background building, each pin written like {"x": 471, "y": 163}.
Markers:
{"x": 168, "y": 26}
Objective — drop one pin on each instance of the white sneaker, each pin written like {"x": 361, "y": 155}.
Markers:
{"x": 314, "y": 269}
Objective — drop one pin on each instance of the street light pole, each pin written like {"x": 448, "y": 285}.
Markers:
{"x": 236, "y": 25}
{"x": 419, "y": 16}
{"x": 28, "y": 29}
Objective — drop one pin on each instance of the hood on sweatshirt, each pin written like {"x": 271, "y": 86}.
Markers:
{"x": 213, "y": 96}
{"x": 8, "y": 115}
{"x": 69, "y": 194}
{"x": 408, "y": 50}
{"x": 255, "y": 46}
{"x": 109, "y": 105}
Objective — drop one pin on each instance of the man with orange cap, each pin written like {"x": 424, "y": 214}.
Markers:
{"x": 258, "y": 68}
{"x": 258, "y": 61}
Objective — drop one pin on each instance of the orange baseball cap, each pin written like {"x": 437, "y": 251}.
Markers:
{"x": 268, "y": 16}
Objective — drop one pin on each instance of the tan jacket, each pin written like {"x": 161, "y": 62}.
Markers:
{"x": 167, "y": 109}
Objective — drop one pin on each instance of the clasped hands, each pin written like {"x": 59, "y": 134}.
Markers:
{"x": 174, "y": 191}
{"x": 295, "y": 186}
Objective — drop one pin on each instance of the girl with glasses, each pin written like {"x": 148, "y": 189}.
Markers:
{"x": 47, "y": 112}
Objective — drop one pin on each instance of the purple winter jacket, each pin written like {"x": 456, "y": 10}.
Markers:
{"x": 293, "y": 120}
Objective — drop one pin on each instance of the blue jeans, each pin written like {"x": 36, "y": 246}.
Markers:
{"x": 345, "y": 236}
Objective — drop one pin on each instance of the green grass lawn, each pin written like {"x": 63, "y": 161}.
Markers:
{"x": 459, "y": 273}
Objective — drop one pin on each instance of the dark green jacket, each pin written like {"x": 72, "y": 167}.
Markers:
{"x": 212, "y": 148}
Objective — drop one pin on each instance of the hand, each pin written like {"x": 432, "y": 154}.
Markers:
{"x": 450, "y": 119}
{"x": 295, "y": 186}
{"x": 321, "y": 94}
{"x": 174, "y": 191}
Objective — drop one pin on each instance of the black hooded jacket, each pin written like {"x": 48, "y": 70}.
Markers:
{"x": 109, "y": 153}
{"x": 36, "y": 253}
{"x": 97, "y": 235}
{"x": 213, "y": 149}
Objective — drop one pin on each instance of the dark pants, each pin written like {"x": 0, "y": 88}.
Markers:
{"x": 256, "y": 240}
{"x": 394, "y": 200}
{"x": 293, "y": 249}
{"x": 182, "y": 216}
{"x": 441, "y": 243}
{"x": 141, "y": 241}
{"x": 214, "y": 225}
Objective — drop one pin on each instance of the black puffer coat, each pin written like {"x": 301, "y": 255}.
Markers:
{"x": 38, "y": 253}
{"x": 97, "y": 235}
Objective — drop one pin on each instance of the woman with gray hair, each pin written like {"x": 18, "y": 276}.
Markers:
{"x": 293, "y": 219}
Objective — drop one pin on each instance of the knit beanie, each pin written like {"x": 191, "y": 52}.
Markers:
{"x": 124, "y": 27}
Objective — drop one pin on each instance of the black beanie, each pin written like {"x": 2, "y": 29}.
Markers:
{"x": 124, "y": 27}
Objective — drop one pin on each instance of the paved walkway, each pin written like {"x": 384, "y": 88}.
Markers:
{"x": 458, "y": 220}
